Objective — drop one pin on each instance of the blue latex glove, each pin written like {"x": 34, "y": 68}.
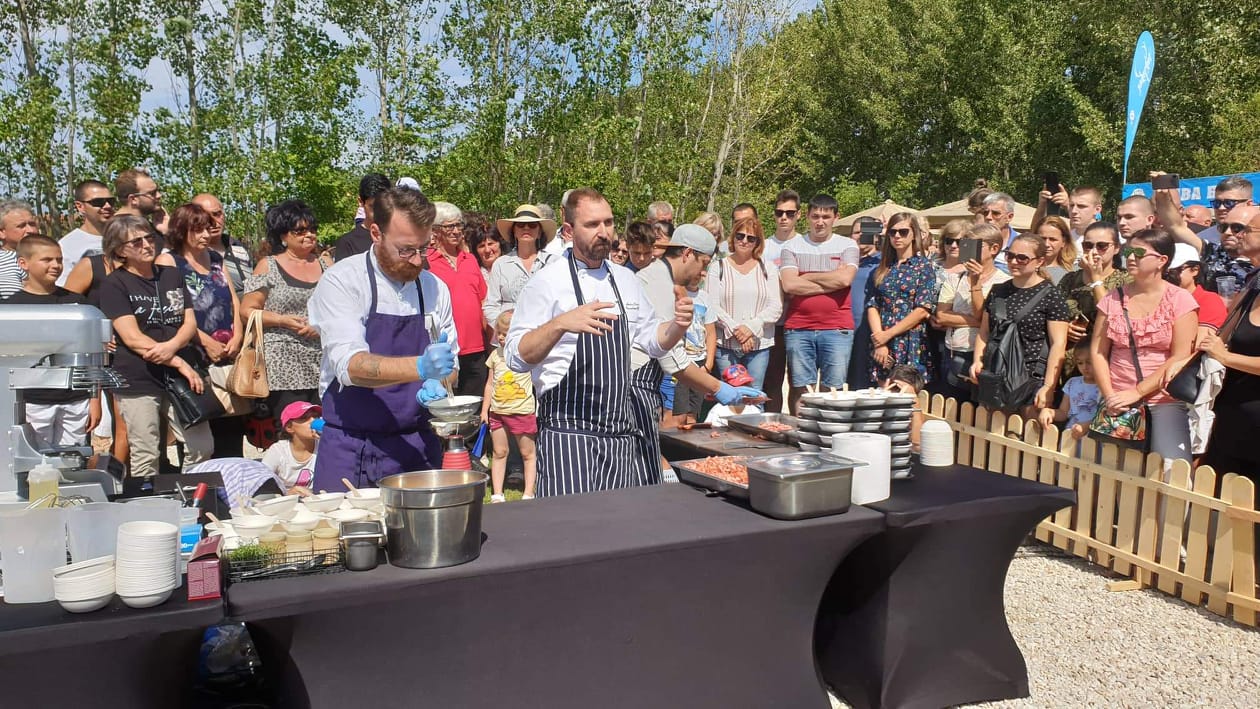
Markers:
{"x": 430, "y": 390}
{"x": 728, "y": 395}
{"x": 437, "y": 361}
{"x": 317, "y": 425}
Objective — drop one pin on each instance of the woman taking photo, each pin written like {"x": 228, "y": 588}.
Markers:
{"x": 743, "y": 291}
{"x": 509, "y": 274}
{"x": 156, "y": 326}
{"x": 1099, "y": 274}
{"x": 960, "y": 306}
{"x": 1162, "y": 320}
{"x": 214, "y": 301}
{"x": 1237, "y": 406}
{"x": 1058, "y": 237}
{"x": 279, "y": 287}
{"x": 1042, "y": 331}
{"x": 900, "y": 297}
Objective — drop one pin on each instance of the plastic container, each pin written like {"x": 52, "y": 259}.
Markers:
{"x": 42, "y": 480}
{"x": 189, "y": 529}
{"x": 92, "y": 529}
{"x": 32, "y": 544}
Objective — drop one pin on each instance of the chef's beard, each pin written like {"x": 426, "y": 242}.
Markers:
{"x": 595, "y": 252}
{"x": 396, "y": 269}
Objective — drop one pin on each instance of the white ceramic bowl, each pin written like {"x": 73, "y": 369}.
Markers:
{"x": 837, "y": 414}
{"x": 324, "y": 501}
{"x": 301, "y": 524}
{"x": 835, "y": 426}
{"x": 867, "y": 414}
{"x": 810, "y": 425}
{"x": 809, "y": 437}
{"x": 365, "y": 498}
{"x": 146, "y": 528}
{"x": 868, "y": 426}
{"x": 253, "y": 524}
{"x": 896, "y": 426}
{"x": 355, "y": 515}
{"x": 838, "y": 400}
{"x": 872, "y": 397}
{"x": 147, "y": 600}
{"x": 223, "y": 529}
{"x": 899, "y": 437}
{"x": 812, "y": 412}
{"x": 281, "y": 507}
{"x": 78, "y": 566}
{"x": 86, "y": 605}
{"x": 238, "y": 512}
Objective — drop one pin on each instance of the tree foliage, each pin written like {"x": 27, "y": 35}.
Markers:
{"x": 703, "y": 103}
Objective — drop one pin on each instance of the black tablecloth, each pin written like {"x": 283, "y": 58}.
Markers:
{"x": 914, "y": 617}
{"x": 114, "y": 657}
{"x": 655, "y": 596}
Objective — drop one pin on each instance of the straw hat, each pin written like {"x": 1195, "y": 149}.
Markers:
{"x": 526, "y": 213}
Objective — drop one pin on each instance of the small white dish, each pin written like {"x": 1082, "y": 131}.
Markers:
{"x": 324, "y": 501}
{"x": 147, "y": 600}
{"x": 86, "y": 605}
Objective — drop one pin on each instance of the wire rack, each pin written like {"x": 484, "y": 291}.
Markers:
{"x": 273, "y": 566}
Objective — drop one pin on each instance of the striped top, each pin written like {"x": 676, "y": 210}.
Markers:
{"x": 751, "y": 299}
{"x": 11, "y": 275}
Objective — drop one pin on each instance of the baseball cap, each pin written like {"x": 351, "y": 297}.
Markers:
{"x": 297, "y": 410}
{"x": 694, "y": 237}
{"x": 408, "y": 183}
{"x": 737, "y": 375}
{"x": 1184, "y": 254}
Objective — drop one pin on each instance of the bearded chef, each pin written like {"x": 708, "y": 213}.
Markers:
{"x": 388, "y": 338}
{"x": 574, "y": 324}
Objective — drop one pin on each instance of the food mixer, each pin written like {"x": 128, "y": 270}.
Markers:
{"x": 455, "y": 418}
{"x": 51, "y": 347}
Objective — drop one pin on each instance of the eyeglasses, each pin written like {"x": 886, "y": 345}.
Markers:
{"x": 904, "y": 231}
{"x": 991, "y": 212}
{"x": 1227, "y": 203}
{"x": 102, "y": 201}
{"x": 448, "y": 228}
{"x": 750, "y": 238}
{"x": 147, "y": 239}
{"x": 1020, "y": 259}
{"x": 1098, "y": 246}
{"x": 151, "y": 193}
{"x": 1135, "y": 252}
{"x": 303, "y": 230}
{"x": 409, "y": 252}
{"x": 949, "y": 241}
{"x": 789, "y": 213}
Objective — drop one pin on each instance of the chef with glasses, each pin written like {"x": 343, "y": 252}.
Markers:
{"x": 388, "y": 339}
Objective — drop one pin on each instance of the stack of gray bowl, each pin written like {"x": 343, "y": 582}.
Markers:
{"x": 867, "y": 411}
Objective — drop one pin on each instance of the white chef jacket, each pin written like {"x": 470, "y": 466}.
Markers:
{"x": 339, "y": 308}
{"x": 550, "y": 293}
{"x": 658, "y": 284}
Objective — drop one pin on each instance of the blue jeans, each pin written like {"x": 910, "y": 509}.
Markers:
{"x": 755, "y": 362}
{"x": 812, "y": 351}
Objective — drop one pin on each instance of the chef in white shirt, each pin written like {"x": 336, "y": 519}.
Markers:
{"x": 572, "y": 330}
{"x": 388, "y": 337}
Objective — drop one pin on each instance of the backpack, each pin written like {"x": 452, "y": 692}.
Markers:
{"x": 1005, "y": 382}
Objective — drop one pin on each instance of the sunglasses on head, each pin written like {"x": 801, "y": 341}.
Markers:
{"x": 1021, "y": 259}
{"x": 102, "y": 201}
{"x": 903, "y": 231}
{"x": 789, "y": 213}
{"x": 1095, "y": 245}
{"x": 1227, "y": 203}
{"x": 750, "y": 238}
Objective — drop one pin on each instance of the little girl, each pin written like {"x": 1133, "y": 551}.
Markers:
{"x": 1080, "y": 396}
{"x": 292, "y": 458}
{"x": 508, "y": 406}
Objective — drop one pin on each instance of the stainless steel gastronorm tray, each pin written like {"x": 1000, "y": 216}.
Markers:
{"x": 690, "y": 475}
{"x": 750, "y": 423}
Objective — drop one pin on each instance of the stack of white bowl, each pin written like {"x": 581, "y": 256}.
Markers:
{"x": 84, "y": 586}
{"x": 864, "y": 411}
{"x": 146, "y": 562}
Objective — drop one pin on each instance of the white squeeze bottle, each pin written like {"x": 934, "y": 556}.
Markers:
{"x": 43, "y": 480}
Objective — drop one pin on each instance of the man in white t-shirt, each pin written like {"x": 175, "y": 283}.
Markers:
{"x": 787, "y": 205}
{"x": 95, "y": 202}
{"x": 816, "y": 273}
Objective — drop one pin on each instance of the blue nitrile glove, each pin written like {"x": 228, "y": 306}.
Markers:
{"x": 437, "y": 362}
{"x": 430, "y": 390}
{"x": 317, "y": 425}
{"x": 728, "y": 395}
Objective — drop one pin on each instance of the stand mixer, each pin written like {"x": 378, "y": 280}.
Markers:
{"x": 50, "y": 347}
{"x": 455, "y": 418}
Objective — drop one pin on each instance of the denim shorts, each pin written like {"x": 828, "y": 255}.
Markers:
{"x": 810, "y": 352}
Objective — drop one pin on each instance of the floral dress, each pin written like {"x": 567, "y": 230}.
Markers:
{"x": 907, "y": 285}
{"x": 211, "y": 297}
{"x": 292, "y": 361}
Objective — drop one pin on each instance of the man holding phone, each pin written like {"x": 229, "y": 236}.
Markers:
{"x": 960, "y": 304}
{"x": 1083, "y": 205}
{"x": 1224, "y": 268}
{"x": 867, "y": 232}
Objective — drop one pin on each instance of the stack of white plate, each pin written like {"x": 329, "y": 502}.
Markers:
{"x": 84, "y": 586}
{"x": 936, "y": 441}
{"x": 146, "y": 562}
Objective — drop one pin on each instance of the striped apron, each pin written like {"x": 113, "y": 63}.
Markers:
{"x": 586, "y": 432}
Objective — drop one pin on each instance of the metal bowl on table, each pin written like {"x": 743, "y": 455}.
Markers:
{"x": 433, "y": 517}
{"x": 837, "y": 414}
{"x": 811, "y": 412}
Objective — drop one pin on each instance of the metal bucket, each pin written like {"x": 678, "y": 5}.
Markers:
{"x": 433, "y": 517}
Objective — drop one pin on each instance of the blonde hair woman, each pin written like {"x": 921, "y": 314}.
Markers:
{"x": 743, "y": 291}
{"x": 1058, "y": 237}
{"x": 713, "y": 223}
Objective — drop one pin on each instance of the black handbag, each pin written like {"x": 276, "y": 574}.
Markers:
{"x": 191, "y": 408}
{"x": 1186, "y": 385}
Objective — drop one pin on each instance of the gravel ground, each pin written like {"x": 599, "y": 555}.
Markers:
{"x": 1086, "y": 646}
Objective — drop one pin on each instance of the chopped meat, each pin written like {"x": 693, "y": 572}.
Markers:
{"x": 729, "y": 468}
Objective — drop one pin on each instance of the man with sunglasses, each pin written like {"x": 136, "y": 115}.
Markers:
{"x": 137, "y": 193}
{"x": 1233, "y": 191}
{"x": 787, "y": 205}
{"x": 388, "y": 337}
{"x": 1224, "y": 268}
{"x": 998, "y": 209}
{"x": 95, "y": 204}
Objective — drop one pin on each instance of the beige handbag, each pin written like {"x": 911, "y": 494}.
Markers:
{"x": 233, "y": 405}
{"x": 249, "y": 374}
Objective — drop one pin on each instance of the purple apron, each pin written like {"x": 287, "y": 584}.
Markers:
{"x": 372, "y": 433}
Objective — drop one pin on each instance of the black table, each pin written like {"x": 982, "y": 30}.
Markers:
{"x": 914, "y": 617}
{"x": 114, "y": 657}
{"x": 647, "y": 597}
